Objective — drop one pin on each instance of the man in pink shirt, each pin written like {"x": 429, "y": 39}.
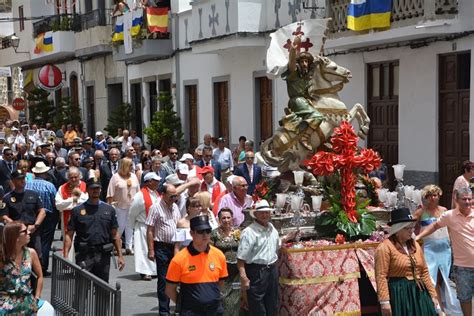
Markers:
{"x": 460, "y": 223}
{"x": 237, "y": 200}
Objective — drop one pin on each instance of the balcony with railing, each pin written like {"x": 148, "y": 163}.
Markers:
{"x": 57, "y": 23}
{"x": 146, "y": 43}
{"x": 409, "y": 20}
{"x": 404, "y": 13}
{"x": 94, "y": 35}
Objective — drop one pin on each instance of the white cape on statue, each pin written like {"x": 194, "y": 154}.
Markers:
{"x": 312, "y": 37}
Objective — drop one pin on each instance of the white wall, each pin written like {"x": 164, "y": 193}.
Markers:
{"x": 418, "y": 97}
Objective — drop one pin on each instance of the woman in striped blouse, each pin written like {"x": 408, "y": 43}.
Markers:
{"x": 404, "y": 286}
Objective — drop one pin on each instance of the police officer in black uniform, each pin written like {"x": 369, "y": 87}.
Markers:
{"x": 26, "y": 206}
{"x": 96, "y": 228}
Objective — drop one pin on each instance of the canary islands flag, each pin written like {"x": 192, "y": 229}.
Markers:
{"x": 157, "y": 19}
{"x": 118, "y": 30}
{"x": 368, "y": 14}
{"x": 137, "y": 22}
{"x": 44, "y": 43}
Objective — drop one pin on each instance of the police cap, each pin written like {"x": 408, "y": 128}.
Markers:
{"x": 93, "y": 183}
{"x": 200, "y": 222}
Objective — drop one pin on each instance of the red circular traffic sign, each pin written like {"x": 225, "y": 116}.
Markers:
{"x": 50, "y": 77}
{"x": 19, "y": 104}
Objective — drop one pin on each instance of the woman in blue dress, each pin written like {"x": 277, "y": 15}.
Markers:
{"x": 437, "y": 248}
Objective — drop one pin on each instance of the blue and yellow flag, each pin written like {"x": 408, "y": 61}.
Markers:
{"x": 118, "y": 30}
{"x": 368, "y": 14}
{"x": 137, "y": 22}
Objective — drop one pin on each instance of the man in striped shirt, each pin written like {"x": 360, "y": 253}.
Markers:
{"x": 161, "y": 227}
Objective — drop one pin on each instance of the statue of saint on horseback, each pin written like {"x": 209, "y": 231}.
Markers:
{"x": 314, "y": 108}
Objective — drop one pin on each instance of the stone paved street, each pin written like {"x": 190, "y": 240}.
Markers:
{"x": 138, "y": 297}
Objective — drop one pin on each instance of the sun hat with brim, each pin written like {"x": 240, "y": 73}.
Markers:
{"x": 200, "y": 222}
{"x": 40, "y": 167}
{"x": 261, "y": 206}
{"x": 400, "y": 215}
{"x": 183, "y": 169}
{"x": 186, "y": 156}
{"x": 173, "y": 179}
{"x": 206, "y": 169}
{"x": 151, "y": 176}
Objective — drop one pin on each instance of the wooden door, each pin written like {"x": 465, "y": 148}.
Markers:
{"x": 454, "y": 83}
{"x": 192, "y": 111}
{"x": 136, "y": 99}
{"x": 221, "y": 103}
{"x": 266, "y": 107}
{"x": 74, "y": 90}
{"x": 383, "y": 112}
{"x": 90, "y": 110}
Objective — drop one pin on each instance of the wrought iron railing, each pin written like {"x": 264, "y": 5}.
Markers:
{"x": 402, "y": 10}
{"x": 5, "y": 42}
{"x": 99, "y": 17}
{"x": 75, "y": 291}
{"x": 59, "y": 22}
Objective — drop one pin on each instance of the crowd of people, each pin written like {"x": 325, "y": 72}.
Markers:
{"x": 180, "y": 215}
{"x": 100, "y": 189}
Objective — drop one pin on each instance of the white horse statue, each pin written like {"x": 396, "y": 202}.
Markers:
{"x": 284, "y": 150}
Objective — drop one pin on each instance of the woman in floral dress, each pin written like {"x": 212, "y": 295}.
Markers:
{"x": 16, "y": 265}
{"x": 226, "y": 238}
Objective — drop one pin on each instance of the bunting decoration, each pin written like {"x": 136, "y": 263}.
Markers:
{"x": 118, "y": 30}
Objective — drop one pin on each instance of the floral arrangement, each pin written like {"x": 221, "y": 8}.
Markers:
{"x": 347, "y": 215}
{"x": 265, "y": 190}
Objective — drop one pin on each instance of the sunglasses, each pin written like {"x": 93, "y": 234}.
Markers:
{"x": 204, "y": 231}
{"x": 173, "y": 153}
{"x": 174, "y": 196}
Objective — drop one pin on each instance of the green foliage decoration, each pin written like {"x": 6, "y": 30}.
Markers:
{"x": 335, "y": 221}
{"x": 41, "y": 110}
{"x": 121, "y": 117}
{"x": 165, "y": 128}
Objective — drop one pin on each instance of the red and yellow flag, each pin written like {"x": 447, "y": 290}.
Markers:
{"x": 157, "y": 19}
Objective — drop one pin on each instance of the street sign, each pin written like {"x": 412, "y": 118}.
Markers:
{"x": 19, "y": 104}
{"x": 50, "y": 78}
{"x": 5, "y": 72}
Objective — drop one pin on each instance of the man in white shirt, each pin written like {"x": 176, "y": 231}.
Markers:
{"x": 188, "y": 160}
{"x": 134, "y": 137}
{"x": 256, "y": 258}
{"x": 223, "y": 155}
{"x": 126, "y": 141}
{"x": 139, "y": 210}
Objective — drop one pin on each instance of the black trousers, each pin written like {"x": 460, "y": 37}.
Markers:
{"x": 47, "y": 236}
{"x": 263, "y": 292}
{"x": 35, "y": 243}
{"x": 97, "y": 263}
{"x": 163, "y": 255}
{"x": 215, "y": 310}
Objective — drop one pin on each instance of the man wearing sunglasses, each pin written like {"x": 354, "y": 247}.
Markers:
{"x": 161, "y": 227}
{"x": 200, "y": 269}
{"x": 172, "y": 164}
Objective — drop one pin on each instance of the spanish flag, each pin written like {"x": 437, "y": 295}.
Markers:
{"x": 368, "y": 14}
{"x": 44, "y": 43}
{"x": 157, "y": 19}
{"x": 118, "y": 30}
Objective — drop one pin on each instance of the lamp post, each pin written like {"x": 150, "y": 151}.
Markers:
{"x": 15, "y": 40}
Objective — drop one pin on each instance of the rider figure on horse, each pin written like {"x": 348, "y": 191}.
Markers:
{"x": 301, "y": 117}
